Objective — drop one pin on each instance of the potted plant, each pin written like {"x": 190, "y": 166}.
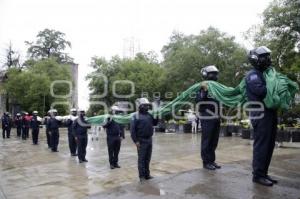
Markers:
{"x": 171, "y": 126}
{"x": 187, "y": 127}
{"x": 246, "y": 131}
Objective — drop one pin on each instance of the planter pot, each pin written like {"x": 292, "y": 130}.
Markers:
{"x": 225, "y": 132}
{"x": 232, "y": 129}
{"x": 240, "y": 130}
{"x": 246, "y": 133}
{"x": 171, "y": 127}
{"x": 280, "y": 135}
{"x": 187, "y": 128}
{"x": 287, "y": 136}
{"x": 283, "y": 136}
{"x": 296, "y": 136}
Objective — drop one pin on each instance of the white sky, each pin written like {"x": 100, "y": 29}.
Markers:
{"x": 98, "y": 27}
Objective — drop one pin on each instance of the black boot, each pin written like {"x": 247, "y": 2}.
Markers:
{"x": 272, "y": 179}
{"x": 216, "y": 165}
{"x": 263, "y": 181}
{"x": 209, "y": 167}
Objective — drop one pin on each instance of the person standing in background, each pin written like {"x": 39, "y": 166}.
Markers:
{"x": 35, "y": 127}
{"x": 71, "y": 137}
{"x": 18, "y": 123}
{"x": 5, "y": 125}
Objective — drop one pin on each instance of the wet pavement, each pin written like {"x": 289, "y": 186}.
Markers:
{"x": 30, "y": 171}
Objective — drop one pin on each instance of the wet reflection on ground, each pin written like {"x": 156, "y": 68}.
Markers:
{"x": 29, "y": 171}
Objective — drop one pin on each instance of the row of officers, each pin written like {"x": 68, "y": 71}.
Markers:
{"x": 142, "y": 123}
{"x": 77, "y": 131}
{"x": 23, "y": 123}
{"x": 141, "y": 133}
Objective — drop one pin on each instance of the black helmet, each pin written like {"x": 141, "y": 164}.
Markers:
{"x": 260, "y": 57}
{"x": 210, "y": 72}
{"x": 81, "y": 112}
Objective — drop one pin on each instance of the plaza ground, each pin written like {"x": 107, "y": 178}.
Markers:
{"x": 30, "y": 171}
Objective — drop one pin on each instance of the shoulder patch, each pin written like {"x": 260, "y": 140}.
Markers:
{"x": 253, "y": 77}
{"x": 133, "y": 117}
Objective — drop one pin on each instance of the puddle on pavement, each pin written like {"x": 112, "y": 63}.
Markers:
{"x": 8, "y": 168}
{"x": 196, "y": 189}
{"x": 149, "y": 189}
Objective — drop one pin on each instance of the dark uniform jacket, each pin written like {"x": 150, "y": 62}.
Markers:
{"x": 53, "y": 123}
{"x": 141, "y": 126}
{"x": 5, "y": 121}
{"x": 34, "y": 123}
{"x": 255, "y": 86}
{"x": 113, "y": 129}
{"x": 18, "y": 122}
{"x": 207, "y": 109}
{"x": 80, "y": 127}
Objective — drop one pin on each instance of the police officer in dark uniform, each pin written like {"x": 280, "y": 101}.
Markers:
{"x": 80, "y": 127}
{"x": 10, "y": 125}
{"x": 35, "y": 127}
{"x": 264, "y": 122}
{"x": 5, "y": 125}
{"x": 53, "y": 125}
{"x": 115, "y": 133}
{"x": 48, "y": 136}
{"x": 71, "y": 137}
{"x": 25, "y": 126}
{"x": 210, "y": 119}
{"x": 141, "y": 128}
{"x": 18, "y": 123}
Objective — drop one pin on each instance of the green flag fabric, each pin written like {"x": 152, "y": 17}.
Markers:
{"x": 280, "y": 95}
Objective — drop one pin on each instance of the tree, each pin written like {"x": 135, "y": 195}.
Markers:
{"x": 12, "y": 57}
{"x": 30, "y": 88}
{"x": 49, "y": 43}
{"x": 280, "y": 31}
{"x": 144, "y": 71}
{"x": 103, "y": 69}
{"x": 184, "y": 56}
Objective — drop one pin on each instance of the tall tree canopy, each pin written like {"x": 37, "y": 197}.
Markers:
{"x": 30, "y": 88}
{"x": 49, "y": 43}
{"x": 144, "y": 71}
{"x": 184, "y": 56}
{"x": 280, "y": 31}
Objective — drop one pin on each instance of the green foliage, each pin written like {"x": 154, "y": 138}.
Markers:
{"x": 144, "y": 71}
{"x": 30, "y": 88}
{"x": 12, "y": 57}
{"x": 49, "y": 43}
{"x": 281, "y": 33}
{"x": 184, "y": 56}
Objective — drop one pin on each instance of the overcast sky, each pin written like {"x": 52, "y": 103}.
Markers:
{"x": 98, "y": 27}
